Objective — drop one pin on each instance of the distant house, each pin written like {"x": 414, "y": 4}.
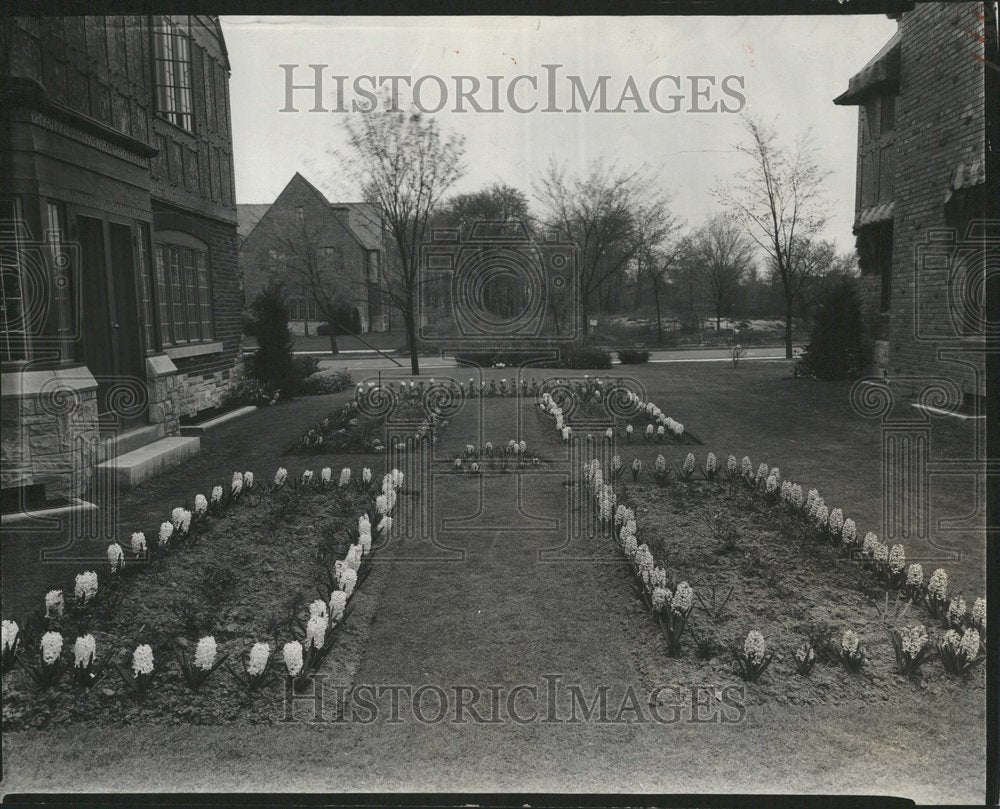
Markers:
{"x": 920, "y": 199}
{"x": 121, "y": 300}
{"x": 327, "y": 256}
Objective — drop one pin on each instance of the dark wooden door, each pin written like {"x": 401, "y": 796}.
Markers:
{"x": 111, "y": 335}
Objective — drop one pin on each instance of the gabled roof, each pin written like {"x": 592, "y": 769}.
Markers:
{"x": 248, "y": 215}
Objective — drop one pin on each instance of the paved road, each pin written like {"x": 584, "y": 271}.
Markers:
{"x": 371, "y": 362}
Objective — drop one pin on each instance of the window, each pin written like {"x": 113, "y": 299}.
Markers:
{"x": 334, "y": 258}
{"x": 184, "y": 293}
{"x": 172, "y": 52}
{"x": 302, "y": 309}
{"x": 874, "y": 246}
{"x": 13, "y": 334}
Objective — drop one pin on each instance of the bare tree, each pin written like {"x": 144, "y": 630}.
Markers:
{"x": 779, "y": 201}
{"x": 297, "y": 243}
{"x": 610, "y": 213}
{"x": 723, "y": 254}
{"x": 657, "y": 266}
{"x": 404, "y": 164}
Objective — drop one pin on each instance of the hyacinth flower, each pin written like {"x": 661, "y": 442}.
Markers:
{"x": 139, "y": 676}
{"x": 911, "y": 647}
{"x": 88, "y": 670}
{"x": 50, "y": 666}
{"x": 256, "y": 669}
{"x": 959, "y": 653}
{"x": 11, "y": 644}
{"x": 804, "y": 658}
{"x": 936, "y": 596}
{"x": 850, "y": 652}
{"x": 688, "y": 466}
{"x": 674, "y": 615}
{"x": 914, "y": 585}
{"x": 206, "y": 660}
{"x": 661, "y": 472}
{"x": 753, "y": 658}
{"x": 711, "y": 466}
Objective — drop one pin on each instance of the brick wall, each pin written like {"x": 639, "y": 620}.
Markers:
{"x": 940, "y": 122}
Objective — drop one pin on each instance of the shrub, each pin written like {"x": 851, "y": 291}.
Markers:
{"x": 273, "y": 364}
{"x": 633, "y": 356}
{"x": 577, "y": 355}
{"x": 836, "y": 342}
{"x": 331, "y": 381}
{"x": 582, "y": 355}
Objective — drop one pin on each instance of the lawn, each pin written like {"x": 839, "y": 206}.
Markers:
{"x": 495, "y": 581}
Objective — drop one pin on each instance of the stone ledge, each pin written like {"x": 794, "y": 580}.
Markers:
{"x": 194, "y": 350}
{"x": 134, "y": 467}
{"x": 159, "y": 365}
{"x": 75, "y": 505}
{"x": 22, "y": 384}
{"x": 205, "y": 426}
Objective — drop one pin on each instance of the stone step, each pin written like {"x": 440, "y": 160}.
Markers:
{"x": 140, "y": 464}
{"x": 113, "y": 445}
{"x": 205, "y": 426}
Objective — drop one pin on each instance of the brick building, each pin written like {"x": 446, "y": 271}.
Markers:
{"x": 121, "y": 298}
{"x": 919, "y": 209}
{"x": 327, "y": 256}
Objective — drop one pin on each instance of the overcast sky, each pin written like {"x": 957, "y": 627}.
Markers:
{"x": 792, "y": 67}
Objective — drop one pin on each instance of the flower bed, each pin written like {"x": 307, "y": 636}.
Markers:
{"x": 739, "y": 575}
{"x": 239, "y": 589}
{"x": 611, "y": 409}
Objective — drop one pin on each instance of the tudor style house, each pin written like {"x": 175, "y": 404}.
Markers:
{"x": 919, "y": 208}
{"x": 328, "y": 257}
{"x": 121, "y": 300}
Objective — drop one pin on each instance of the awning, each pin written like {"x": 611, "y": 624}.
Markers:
{"x": 874, "y": 215}
{"x": 881, "y": 74}
{"x": 966, "y": 175}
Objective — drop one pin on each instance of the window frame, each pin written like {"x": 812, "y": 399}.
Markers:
{"x": 173, "y": 72}
{"x": 184, "y": 273}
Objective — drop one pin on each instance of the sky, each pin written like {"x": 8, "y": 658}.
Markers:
{"x": 791, "y": 69}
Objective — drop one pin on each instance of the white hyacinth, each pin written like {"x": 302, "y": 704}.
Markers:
{"x": 364, "y": 524}
{"x": 937, "y": 587}
{"x": 566, "y": 433}
{"x": 248, "y": 482}
{"x": 956, "y": 611}
{"x": 138, "y": 543}
{"x": 204, "y": 653}
{"x": 307, "y": 475}
{"x": 660, "y": 464}
{"x": 821, "y": 515}
{"x": 658, "y": 578}
{"x": 184, "y": 521}
{"x": 915, "y": 575}
{"x": 280, "y": 476}
{"x": 797, "y": 495}
{"x": 952, "y": 639}
{"x": 166, "y": 531}
{"x": 366, "y": 475}
{"x": 836, "y": 521}
{"x": 711, "y": 463}
{"x": 649, "y": 430}
{"x": 85, "y": 587}
{"x": 365, "y": 541}
{"x": 326, "y": 475}
{"x": 338, "y": 603}
{"x": 979, "y": 612}
{"x": 849, "y": 532}
{"x": 897, "y": 559}
{"x": 660, "y": 598}
{"x": 84, "y": 650}
{"x": 348, "y": 580}
{"x": 292, "y": 654}
{"x": 259, "y": 655}
{"x": 731, "y": 466}
{"x": 216, "y": 494}
{"x": 689, "y": 464}
{"x": 10, "y": 633}
{"x": 746, "y": 466}
{"x": 914, "y": 638}
{"x": 970, "y": 643}
{"x": 771, "y": 484}
{"x": 237, "y": 483}
{"x": 142, "y": 660}
{"x": 754, "y": 647}
{"x": 762, "y": 472}
{"x": 381, "y": 504}
{"x": 643, "y": 558}
{"x": 316, "y": 631}
{"x": 52, "y": 643}
{"x": 54, "y": 603}
{"x": 345, "y": 476}
{"x": 630, "y": 545}
{"x": 116, "y": 556}
{"x": 869, "y": 544}
{"x": 200, "y": 504}
{"x": 629, "y": 429}
{"x": 317, "y": 607}
{"x": 683, "y": 598}
{"x": 881, "y": 553}
{"x": 353, "y": 558}
{"x": 177, "y": 516}
{"x": 850, "y": 641}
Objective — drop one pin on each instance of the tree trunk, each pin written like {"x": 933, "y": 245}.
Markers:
{"x": 333, "y": 337}
{"x": 656, "y": 300}
{"x": 411, "y": 341}
{"x": 788, "y": 327}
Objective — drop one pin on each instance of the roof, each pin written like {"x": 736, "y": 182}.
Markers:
{"x": 881, "y": 73}
{"x": 364, "y": 220}
{"x": 248, "y": 215}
